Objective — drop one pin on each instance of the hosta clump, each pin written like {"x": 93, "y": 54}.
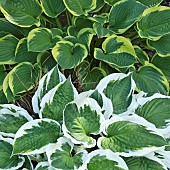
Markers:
{"x": 110, "y": 127}
{"x": 90, "y": 38}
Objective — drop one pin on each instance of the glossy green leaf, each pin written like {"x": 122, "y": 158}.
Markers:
{"x": 52, "y": 8}
{"x": 34, "y": 136}
{"x": 156, "y": 111}
{"x": 22, "y": 54}
{"x": 54, "y": 102}
{"x": 141, "y": 55}
{"x": 161, "y": 45}
{"x": 22, "y": 78}
{"x": 143, "y": 163}
{"x": 126, "y": 136}
{"x": 40, "y": 39}
{"x": 117, "y": 51}
{"x": 99, "y": 5}
{"x": 81, "y": 120}
{"x": 8, "y": 45}
{"x": 151, "y": 25}
{"x": 60, "y": 155}
{"x": 163, "y": 64}
{"x": 69, "y": 55}
{"x": 151, "y": 80}
{"x": 105, "y": 160}
{"x": 150, "y": 3}
{"x": 122, "y": 16}
{"x": 120, "y": 93}
{"x": 22, "y": 12}
{"x": 80, "y": 7}
{"x": 12, "y": 118}
{"x": 6, "y": 160}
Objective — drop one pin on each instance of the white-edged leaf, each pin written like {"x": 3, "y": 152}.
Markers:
{"x": 12, "y": 118}
{"x": 34, "y": 136}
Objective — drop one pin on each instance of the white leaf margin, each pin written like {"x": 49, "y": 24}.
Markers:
{"x": 62, "y": 140}
{"x": 46, "y": 77}
{"x": 138, "y": 120}
{"x": 29, "y": 125}
{"x": 109, "y": 155}
{"x": 81, "y": 102}
{"x": 43, "y": 164}
{"x": 6, "y": 109}
{"x": 10, "y": 141}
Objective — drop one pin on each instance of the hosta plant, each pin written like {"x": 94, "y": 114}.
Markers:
{"x": 87, "y": 38}
{"x": 110, "y": 127}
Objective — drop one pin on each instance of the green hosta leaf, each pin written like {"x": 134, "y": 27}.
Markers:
{"x": 52, "y": 8}
{"x": 150, "y": 3}
{"x": 8, "y": 45}
{"x": 22, "y": 54}
{"x": 161, "y": 45}
{"x": 46, "y": 61}
{"x": 112, "y": 2}
{"x": 22, "y": 12}
{"x": 122, "y": 16}
{"x": 9, "y": 28}
{"x": 105, "y": 160}
{"x": 99, "y": 5}
{"x": 54, "y": 102}
{"x": 69, "y": 55}
{"x": 151, "y": 80}
{"x": 85, "y": 37}
{"x": 34, "y": 136}
{"x": 118, "y": 51}
{"x": 3, "y": 99}
{"x": 81, "y": 119}
{"x": 152, "y": 26}
{"x": 12, "y": 118}
{"x": 127, "y": 136}
{"x": 141, "y": 55}
{"x": 60, "y": 155}
{"x": 163, "y": 64}
{"x": 80, "y": 7}
{"x": 56, "y": 32}
{"x": 156, "y": 110}
{"x": 2, "y": 77}
{"x": 40, "y": 39}
{"x": 6, "y": 160}
{"x": 22, "y": 78}
{"x": 120, "y": 93}
{"x": 143, "y": 163}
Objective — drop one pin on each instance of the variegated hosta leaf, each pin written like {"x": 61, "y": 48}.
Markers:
{"x": 150, "y": 3}
{"x": 12, "y": 118}
{"x": 99, "y": 5}
{"x": 81, "y": 119}
{"x": 152, "y": 26}
{"x": 130, "y": 135}
{"x": 141, "y": 55}
{"x": 43, "y": 166}
{"x": 118, "y": 88}
{"x": 163, "y": 64}
{"x": 40, "y": 39}
{"x": 22, "y": 12}
{"x": 80, "y": 7}
{"x": 27, "y": 164}
{"x": 8, "y": 162}
{"x": 155, "y": 109}
{"x": 22, "y": 77}
{"x": 34, "y": 136}
{"x": 47, "y": 82}
{"x": 117, "y": 51}
{"x": 60, "y": 155}
{"x": 8, "y": 45}
{"x": 3, "y": 75}
{"x": 122, "y": 16}
{"x": 69, "y": 55}
{"x": 104, "y": 160}
{"x": 54, "y": 102}
{"x": 22, "y": 54}
{"x": 52, "y": 8}
{"x": 151, "y": 80}
{"x": 161, "y": 45}
{"x": 144, "y": 163}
